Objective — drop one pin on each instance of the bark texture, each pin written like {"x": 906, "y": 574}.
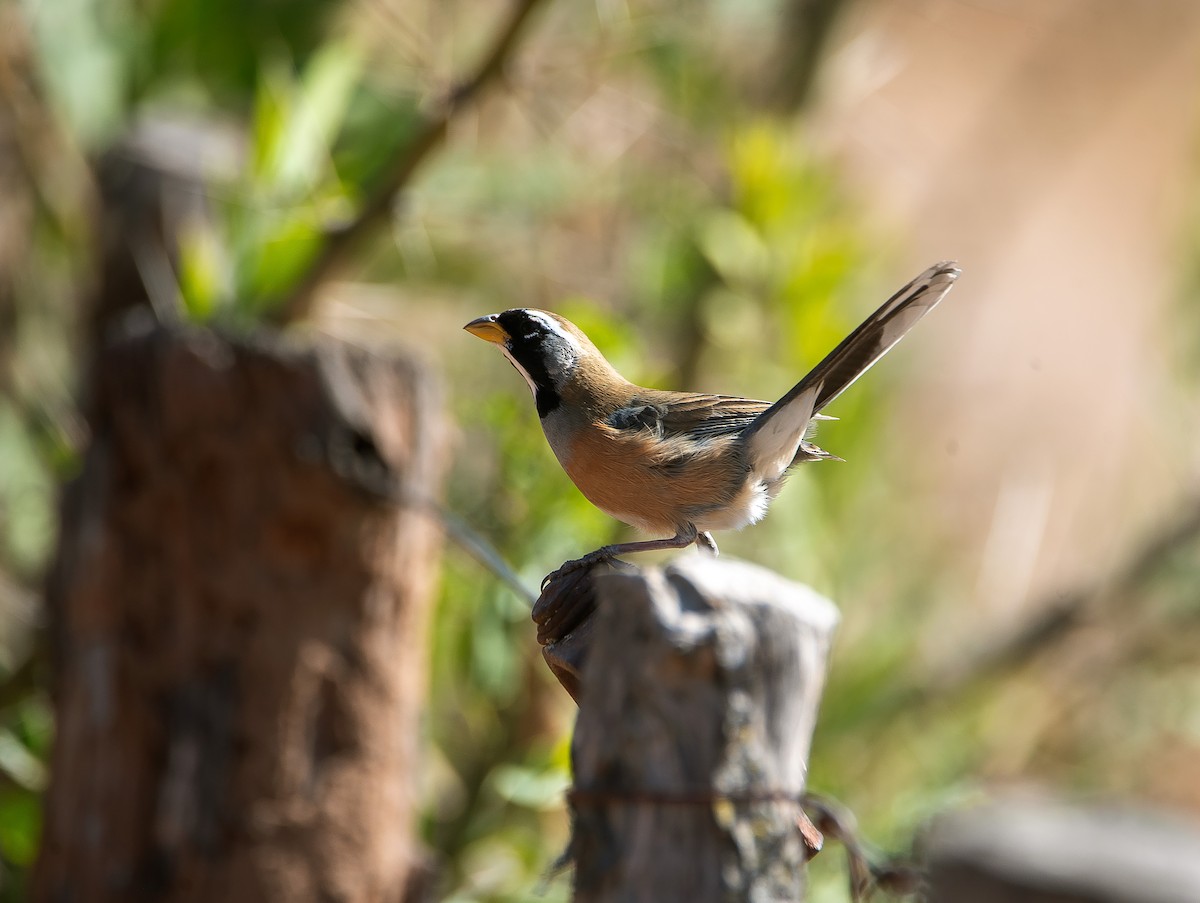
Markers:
{"x": 700, "y": 694}
{"x": 239, "y": 614}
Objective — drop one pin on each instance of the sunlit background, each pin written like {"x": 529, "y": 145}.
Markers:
{"x": 716, "y": 193}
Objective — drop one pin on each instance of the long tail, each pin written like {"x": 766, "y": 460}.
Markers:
{"x": 774, "y": 437}
{"x": 858, "y": 352}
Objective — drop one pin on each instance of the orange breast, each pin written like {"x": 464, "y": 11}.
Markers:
{"x": 655, "y": 485}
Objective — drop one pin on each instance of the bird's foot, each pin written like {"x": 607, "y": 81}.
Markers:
{"x": 705, "y": 541}
{"x": 588, "y": 561}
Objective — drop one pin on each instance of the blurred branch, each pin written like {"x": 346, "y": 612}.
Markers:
{"x": 341, "y": 242}
{"x": 55, "y": 175}
{"x": 475, "y": 545}
{"x": 689, "y": 326}
{"x": 1053, "y": 621}
{"x": 454, "y": 527}
{"x": 803, "y": 37}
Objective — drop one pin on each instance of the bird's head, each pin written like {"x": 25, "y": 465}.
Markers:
{"x": 548, "y": 350}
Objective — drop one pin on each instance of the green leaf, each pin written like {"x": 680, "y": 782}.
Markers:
{"x": 297, "y": 120}
{"x": 734, "y": 248}
{"x": 278, "y": 260}
{"x": 532, "y": 788}
{"x": 19, "y": 763}
{"x": 204, "y": 277}
{"x": 20, "y": 825}
{"x": 302, "y": 158}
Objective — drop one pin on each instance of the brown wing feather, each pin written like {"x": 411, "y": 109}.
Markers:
{"x": 688, "y": 415}
{"x": 711, "y": 416}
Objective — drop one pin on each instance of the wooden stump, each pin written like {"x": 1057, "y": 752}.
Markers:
{"x": 700, "y": 694}
{"x": 1030, "y": 850}
{"x": 238, "y": 612}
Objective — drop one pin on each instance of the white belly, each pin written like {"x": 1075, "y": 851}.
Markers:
{"x": 749, "y": 506}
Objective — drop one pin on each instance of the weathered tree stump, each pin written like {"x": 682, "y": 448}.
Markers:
{"x": 238, "y": 610}
{"x": 565, "y": 616}
{"x": 699, "y": 697}
{"x": 1040, "y": 851}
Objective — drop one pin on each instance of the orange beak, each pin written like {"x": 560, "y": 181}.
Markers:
{"x": 488, "y": 329}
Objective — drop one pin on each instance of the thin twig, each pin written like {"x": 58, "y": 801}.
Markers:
{"x": 462, "y": 534}
{"x": 866, "y": 869}
{"x": 340, "y": 242}
{"x": 475, "y": 545}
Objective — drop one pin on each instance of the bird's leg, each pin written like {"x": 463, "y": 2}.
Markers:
{"x": 680, "y": 540}
{"x": 705, "y": 541}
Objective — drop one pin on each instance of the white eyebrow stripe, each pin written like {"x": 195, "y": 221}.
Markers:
{"x": 554, "y": 326}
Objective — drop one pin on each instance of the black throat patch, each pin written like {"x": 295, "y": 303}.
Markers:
{"x": 546, "y": 400}
{"x": 529, "y": 345}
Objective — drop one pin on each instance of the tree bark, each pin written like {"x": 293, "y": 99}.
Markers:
{"x": 238, "y": 610}
{"x": 699, "y": 697}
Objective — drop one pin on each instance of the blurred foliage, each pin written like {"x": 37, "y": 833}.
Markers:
{"x": 628, "y": 177}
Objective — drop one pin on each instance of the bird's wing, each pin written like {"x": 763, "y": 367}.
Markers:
{"x": 774, "y": 438}
{"x": 711, "y": 416}
{"x": 688, "y": 415}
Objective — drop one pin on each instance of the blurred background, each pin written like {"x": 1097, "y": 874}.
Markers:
{"x": 716, "y": 193}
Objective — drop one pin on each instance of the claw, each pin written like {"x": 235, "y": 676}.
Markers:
{"x": 587, "y": 561}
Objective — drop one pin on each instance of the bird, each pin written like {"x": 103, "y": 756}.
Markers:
{"x": 680, "y": 465}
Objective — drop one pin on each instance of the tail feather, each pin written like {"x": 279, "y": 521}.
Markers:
{"x": 859, "y": 351}
{"x": 810, "y": 452}
{"x": 782, "y": 426}
{"x": 776, "y": 435}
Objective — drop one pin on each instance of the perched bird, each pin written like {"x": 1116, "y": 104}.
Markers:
{"x": 681, "y": 464}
